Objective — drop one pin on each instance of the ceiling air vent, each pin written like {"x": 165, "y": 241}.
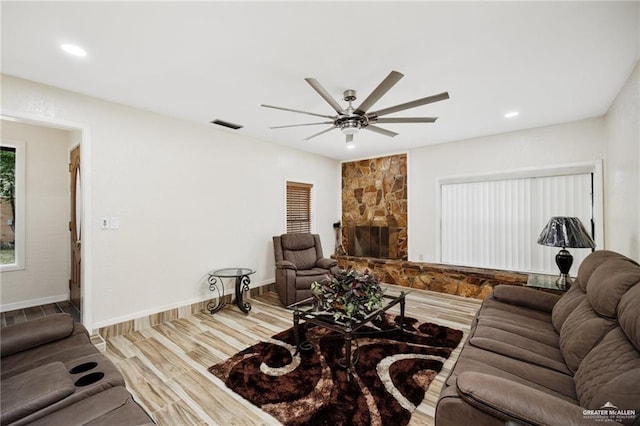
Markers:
{"x": 227, "y": 124}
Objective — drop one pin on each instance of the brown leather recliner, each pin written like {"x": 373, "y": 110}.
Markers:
{"x": 299, "y": 262}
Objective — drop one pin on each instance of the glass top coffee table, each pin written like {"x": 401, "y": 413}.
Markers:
{"x": 309, "y": 311}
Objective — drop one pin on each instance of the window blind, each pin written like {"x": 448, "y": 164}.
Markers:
{"x": 299, "y": 207}
{"x": 496, "y": 223}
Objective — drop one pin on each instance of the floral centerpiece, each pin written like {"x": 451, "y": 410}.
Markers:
{"x": 349, "y": 294}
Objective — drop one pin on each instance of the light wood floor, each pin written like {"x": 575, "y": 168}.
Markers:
{"x": 165, "y": 367}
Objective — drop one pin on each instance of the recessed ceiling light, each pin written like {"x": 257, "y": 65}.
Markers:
{"x": 73, "y": 49}
{"x": 351, "y": 146}
{"x": 511, "y": 114}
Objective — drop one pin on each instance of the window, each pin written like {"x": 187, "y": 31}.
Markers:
{"x": 299, "y": 218}
{"x": 494, "y": 222}
{"x": 12, "y": 202}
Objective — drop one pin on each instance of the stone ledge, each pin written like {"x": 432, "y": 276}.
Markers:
{"x": 459, "y": 280}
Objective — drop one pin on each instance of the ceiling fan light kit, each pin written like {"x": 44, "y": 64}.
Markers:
{"x": 350, "y": 128}
{"x": 351, "y": 120}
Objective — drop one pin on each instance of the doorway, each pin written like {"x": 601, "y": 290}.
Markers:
{"x": 81, "y": 137}
{"x": 75, "y": 230}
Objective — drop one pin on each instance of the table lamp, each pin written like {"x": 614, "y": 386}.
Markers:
{"x": 565, "y": 232}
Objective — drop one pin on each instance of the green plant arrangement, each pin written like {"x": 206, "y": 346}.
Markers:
{"x": 349, "y": 294}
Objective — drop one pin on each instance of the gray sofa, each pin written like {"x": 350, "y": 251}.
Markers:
{"x": 537, "y": 358}
{"x": 51, "y": 374}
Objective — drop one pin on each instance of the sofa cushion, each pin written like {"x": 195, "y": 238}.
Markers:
{"x": 609, "y": 282}
{"x": 518, "y": 347}
{"x": 526, "y": 297}
{"x": 34, "y": 390}
{"x": 64, "y": 350}
{"x": 544, "y": 379}
{"x": 101, "y": 375}
{"x": 544, "y": 335}
{"x": 610, "y": 373}
{"x": 303, "y": 259}
{"x": 492, "y": 308}
{"x": 114, "y": 406}
{"x": 582, "y": 330}
{"x": 297, "y": 241}
{"x": 628, "y": 316}
{"x": 593, "y": 262}
{"x": 566, "y": 305}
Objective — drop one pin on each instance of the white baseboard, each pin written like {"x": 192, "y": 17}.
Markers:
{"x": 33, "y": 302}
{"x": 188, "y": 302}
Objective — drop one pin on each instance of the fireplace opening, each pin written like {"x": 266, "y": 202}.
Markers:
{"x": 370, "y": 241}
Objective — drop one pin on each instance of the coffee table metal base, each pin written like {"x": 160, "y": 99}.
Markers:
{"x": 347, "y": 330}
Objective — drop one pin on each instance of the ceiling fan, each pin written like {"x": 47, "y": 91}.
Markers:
{"x": 350, "y": 120}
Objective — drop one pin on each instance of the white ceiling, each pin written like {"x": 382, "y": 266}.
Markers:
{"x": 553, "y": 61}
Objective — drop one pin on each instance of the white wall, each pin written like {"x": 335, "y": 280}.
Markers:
{"x": 190, "y": 198}
{"x": 614, "y": 138}
{"x": 622, "y": 169}
{"x": 568, "y": 143}
{"x": 46, "y": 274}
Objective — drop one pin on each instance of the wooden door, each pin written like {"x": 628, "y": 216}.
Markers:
{"x": 75, "y": 228}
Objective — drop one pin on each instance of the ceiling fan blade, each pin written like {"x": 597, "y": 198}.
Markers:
{"x": 378, "y": 92}
{"x": 406, "y": 120}
{"x": 412, "y": 104}
{"x": 300, "y": 125}
{"x": 297, "y": 110}
{"x": 381, "y": 131}
{"x": 349, "y": 138}
{"x": 325, "y": 95}
{"x": 319, "y": 133}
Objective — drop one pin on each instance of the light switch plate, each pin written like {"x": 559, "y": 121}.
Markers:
{"x": 114, "y": 222}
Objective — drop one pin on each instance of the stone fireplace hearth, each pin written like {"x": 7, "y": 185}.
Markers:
{"x": 450, "y": 279}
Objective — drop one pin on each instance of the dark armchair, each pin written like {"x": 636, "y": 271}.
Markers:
{"x": 299, "y": 262}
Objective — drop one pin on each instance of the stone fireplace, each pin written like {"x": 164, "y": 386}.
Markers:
{"x": 374, "y": 207}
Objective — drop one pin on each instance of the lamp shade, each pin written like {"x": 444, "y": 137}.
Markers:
{"x": 564, "y": 232}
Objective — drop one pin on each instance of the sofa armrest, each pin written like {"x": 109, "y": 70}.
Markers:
{"x": 326, "y": 263}
{"x": 26, "y": 335}
{"x": 33, "y": 390}
{"x": 285, "y": 264}
{"x": 527, "y": 297}
{"x": 508, "y": 400}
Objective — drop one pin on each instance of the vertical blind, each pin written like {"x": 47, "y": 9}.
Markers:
{"x": 496, "y": 223}
{"x": 298, "y": 207}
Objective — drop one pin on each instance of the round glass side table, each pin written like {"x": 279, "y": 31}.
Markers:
{"x": 242, "y": 286}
